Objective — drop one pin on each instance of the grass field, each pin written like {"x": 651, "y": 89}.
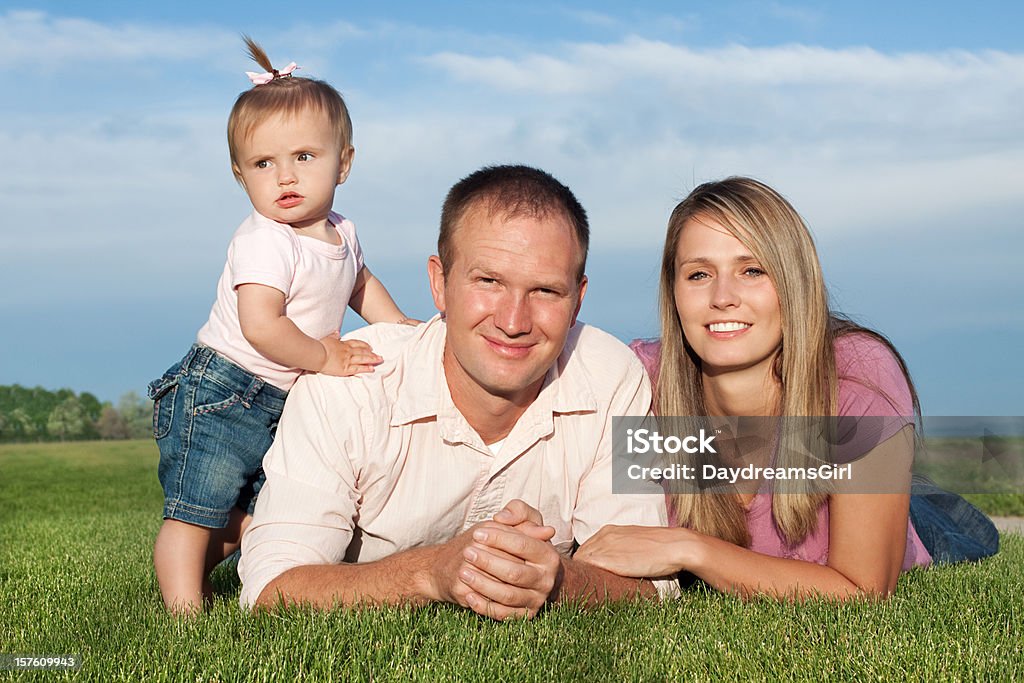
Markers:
{"x": 76, "y": 528}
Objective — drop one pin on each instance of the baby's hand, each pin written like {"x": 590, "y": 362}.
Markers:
{"x": 345, "y": 358}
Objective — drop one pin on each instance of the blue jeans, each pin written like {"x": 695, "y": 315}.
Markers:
{"x": 213, "y": 421}
{"x": 950, "y": 528}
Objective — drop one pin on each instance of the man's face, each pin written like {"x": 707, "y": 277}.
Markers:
{"x": 509, "y": 297}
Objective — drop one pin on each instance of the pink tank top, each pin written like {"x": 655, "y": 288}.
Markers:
{"x": 870, "y": 383}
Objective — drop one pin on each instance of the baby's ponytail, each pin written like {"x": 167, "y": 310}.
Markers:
{"x": 257, "y": 53}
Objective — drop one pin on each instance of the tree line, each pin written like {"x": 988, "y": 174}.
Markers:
{"x": 38, "y": 414}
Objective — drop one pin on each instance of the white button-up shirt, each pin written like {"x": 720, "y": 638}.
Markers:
{"x": 366, "y": 466}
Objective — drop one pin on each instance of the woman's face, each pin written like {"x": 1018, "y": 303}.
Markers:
{"x": 726, "y": 303}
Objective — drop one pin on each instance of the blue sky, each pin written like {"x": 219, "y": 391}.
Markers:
{"x": 895, "y": 128}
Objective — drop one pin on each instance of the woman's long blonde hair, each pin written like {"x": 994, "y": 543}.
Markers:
{"x": 805, "y": 368}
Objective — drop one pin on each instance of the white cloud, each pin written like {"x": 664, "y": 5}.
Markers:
{"x": 593, "y": 67}
{"x": 39, "y": 39}
{"x": 49, "y": 42}
{"x": 919, "y": 133}
{"x": 593, "y": 18}
{"x": 802, "y": 16}
{"x": 539, "y": 73}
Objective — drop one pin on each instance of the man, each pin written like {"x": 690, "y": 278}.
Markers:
{"x": 466, "y": 466}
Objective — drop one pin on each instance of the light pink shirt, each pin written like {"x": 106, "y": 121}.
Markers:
{"x": 316, "y": 278}
{"x": 870, "y": 383}
{"x": 364, "y": 467}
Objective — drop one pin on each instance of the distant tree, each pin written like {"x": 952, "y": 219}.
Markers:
{"x": 28, "y": 414}
{"x": 93, "y": 409}
{"x": 138, "y": 415}
{"x": 15, "y": 402}
{"x": 67, "y": 419}
{"x": 20, "y": 425}
{"x": 111, "y": 424}
{"x": 38, "y": 403}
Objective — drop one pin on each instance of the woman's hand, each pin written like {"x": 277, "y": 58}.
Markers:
{"x": 639, "y": 551}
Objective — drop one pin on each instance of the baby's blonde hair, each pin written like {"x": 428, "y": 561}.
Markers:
{"x": 285, "y": 96}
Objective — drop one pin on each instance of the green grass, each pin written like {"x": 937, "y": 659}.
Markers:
{"x": 998, "y": 504}
{"x": 77, "y": 523}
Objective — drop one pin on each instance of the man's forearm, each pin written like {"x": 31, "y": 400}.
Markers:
{"x": 580, "y": 581}
{"x": 403, "y": 578}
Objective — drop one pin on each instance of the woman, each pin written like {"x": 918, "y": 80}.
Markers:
{"x": 747, "y": 331}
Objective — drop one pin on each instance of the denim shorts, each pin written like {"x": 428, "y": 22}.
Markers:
{"x": 213, "y": 421}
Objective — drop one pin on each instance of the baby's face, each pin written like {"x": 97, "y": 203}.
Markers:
{"x": 290, "y": 166}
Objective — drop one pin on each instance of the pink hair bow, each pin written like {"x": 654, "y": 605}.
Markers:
{"x": 260, "y": 79}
